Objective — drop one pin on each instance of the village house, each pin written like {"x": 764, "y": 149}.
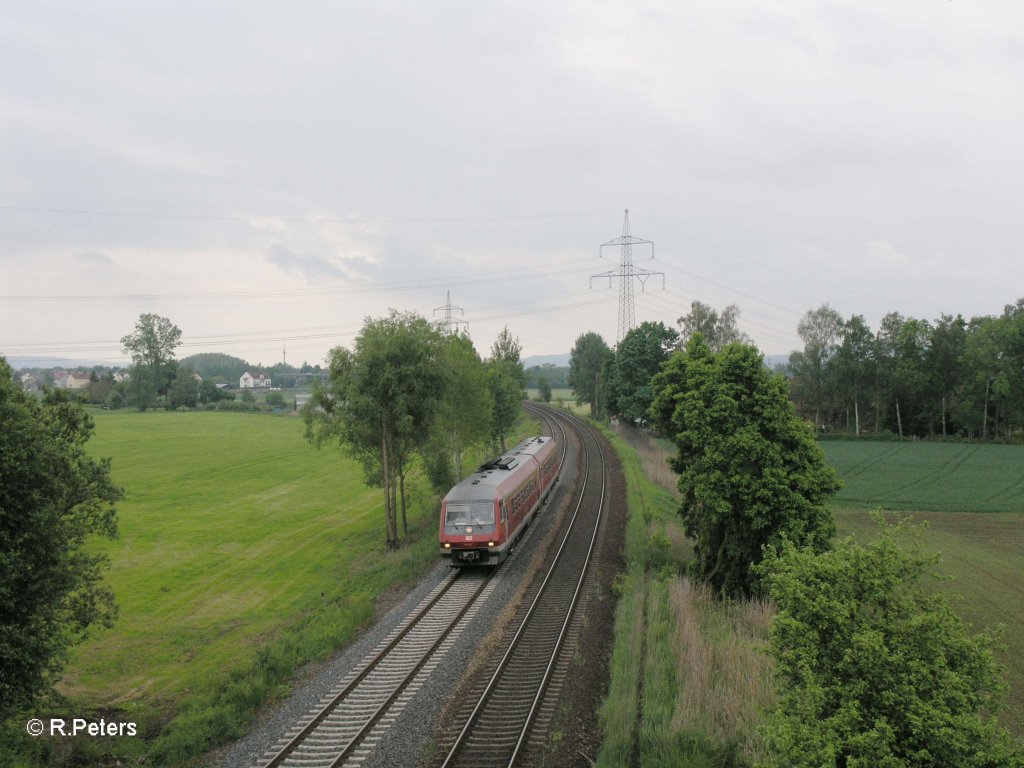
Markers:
{"x": 77, "y": 380}
{"x": 259, "y": 381}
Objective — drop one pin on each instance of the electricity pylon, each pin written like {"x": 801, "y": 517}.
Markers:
{"x": 449, "y": 323}
{"x": 626, "y": 272}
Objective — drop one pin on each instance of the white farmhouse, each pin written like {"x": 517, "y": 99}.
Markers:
{"x": 259, "y": 381}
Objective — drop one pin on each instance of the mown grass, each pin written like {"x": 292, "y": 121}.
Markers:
{"x": 244, "y": 553}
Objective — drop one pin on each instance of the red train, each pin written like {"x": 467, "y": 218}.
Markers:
{"x": 484, "y": 515}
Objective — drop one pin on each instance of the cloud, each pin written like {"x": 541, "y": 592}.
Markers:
{"x": 308, "y": 265}
{"x": 94, "y": 261}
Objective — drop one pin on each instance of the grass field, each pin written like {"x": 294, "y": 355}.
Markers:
{"x": 244, "y": 552}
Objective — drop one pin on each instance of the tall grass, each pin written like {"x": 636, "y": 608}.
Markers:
{"x": 689, "y": 675}
{"x": 723, "y": 670}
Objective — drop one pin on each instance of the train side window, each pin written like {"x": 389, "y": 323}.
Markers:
{"x": 504, "y": 512}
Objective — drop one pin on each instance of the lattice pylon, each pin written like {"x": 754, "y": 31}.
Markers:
{"x": 626, "y": 272}
{"x": 449, "y": 324}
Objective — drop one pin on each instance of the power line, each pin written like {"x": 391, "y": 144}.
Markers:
{"x": 295, "y": 219}
{"x": 478, "y": 278}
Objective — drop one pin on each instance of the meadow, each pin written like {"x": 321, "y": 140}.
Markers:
{"x": 243, "y": 553}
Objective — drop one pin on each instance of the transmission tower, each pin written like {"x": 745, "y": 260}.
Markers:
{"x": 449, "y": 323}
{"x": 626, "y": 272}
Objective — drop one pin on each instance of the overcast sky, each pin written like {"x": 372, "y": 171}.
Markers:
{"x": 266, "y": 175}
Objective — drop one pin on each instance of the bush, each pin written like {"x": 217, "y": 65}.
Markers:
{"x": 871, "y": 670}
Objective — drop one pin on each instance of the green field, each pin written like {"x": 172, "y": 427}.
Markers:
{"x": 972, "y": 497}
{"x": 935, "y": 477}
{"x": 243, "y": 552}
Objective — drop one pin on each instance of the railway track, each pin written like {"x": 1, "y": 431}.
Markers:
{"x": 349, "y": 719}
{"x": 498, "y": 730}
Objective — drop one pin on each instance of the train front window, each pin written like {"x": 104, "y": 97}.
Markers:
{"x": 473, "y": 513}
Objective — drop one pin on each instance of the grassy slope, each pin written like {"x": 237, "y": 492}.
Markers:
{"x": 688, "y": 674}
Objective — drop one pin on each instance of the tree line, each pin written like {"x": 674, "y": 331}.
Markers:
{"x": 407, "y": 397}
{"x": 910, "y": 376}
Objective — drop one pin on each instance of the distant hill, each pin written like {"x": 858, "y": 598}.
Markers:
{"x": 210, "y": 364}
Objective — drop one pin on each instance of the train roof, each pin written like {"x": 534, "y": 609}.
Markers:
{"x": 483, "y": 483}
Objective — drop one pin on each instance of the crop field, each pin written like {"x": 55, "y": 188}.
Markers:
{"x": 934, "y": 477}
{"x": 243, "y": 552}
{"x": 972, "y": 498}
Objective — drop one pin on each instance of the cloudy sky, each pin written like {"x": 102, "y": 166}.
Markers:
{"x": 266, "y": 175}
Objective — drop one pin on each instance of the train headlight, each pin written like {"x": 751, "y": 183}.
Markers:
{"x": 447, "y": 545}
{"x": 490, "y": 543}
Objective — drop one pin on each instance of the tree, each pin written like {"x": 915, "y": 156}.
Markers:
{"x": 750, "y": 471}
{"x": 872, "y": 670}
{"x": 587, "y": 362}
{"x": 184, "y": 391}
{"x": 507, "y": 348}
{"x": 717, "y": 330}
{"x": 153, "y": 368}
{"x": 945, "y": 358}
{"x": 638, "y": 357}
{"x": 505, "y": 384}
{"x": 820, "y": 330}
{"x": 380, "y": 402}
{"x": 466, "y": 414}
{"x": 506, "y": 380}
{"x": 53, "y": 497}
{"x": 544, "y": 388}
{"x": 853, "y": 367}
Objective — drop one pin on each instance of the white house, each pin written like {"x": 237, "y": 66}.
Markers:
{"x": 76, "y": 380}
{"x": 259, "y": 381}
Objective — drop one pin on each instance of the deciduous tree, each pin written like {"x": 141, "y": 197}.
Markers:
{"x": 820, "y": 329}
{"x": 151, "y": 347}
{"x": 750, "y": 471}
{"x": 638, "y": 357}
{"x": 53, "y": 497}
{"x": 380, "y": 403}
{"x": 717, "y": 329}
{"x": 587, "y": 363}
